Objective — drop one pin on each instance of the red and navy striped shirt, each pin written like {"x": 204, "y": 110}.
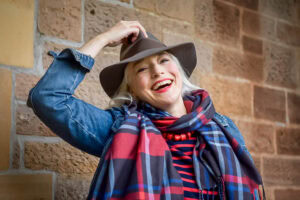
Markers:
{"x": 182, "y": 159}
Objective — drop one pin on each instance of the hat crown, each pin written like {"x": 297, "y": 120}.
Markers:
{"x": 142, "y": 43}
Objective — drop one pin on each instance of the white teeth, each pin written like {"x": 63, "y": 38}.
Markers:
{"x": 161, "y": 83}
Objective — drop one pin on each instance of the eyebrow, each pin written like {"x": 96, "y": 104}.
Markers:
{"x": 159, "y": 54}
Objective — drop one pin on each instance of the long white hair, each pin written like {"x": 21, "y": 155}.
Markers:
{"x": 123, "y": 95}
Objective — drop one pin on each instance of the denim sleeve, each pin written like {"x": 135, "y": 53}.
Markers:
{"x": 77, "y": 122}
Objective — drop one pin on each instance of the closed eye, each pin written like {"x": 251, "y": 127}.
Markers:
{"x": 141, "y": 69}
{"x": 164, "y": 60}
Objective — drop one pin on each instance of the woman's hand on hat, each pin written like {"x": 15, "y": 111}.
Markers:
{"x": 120, "y": 32}
{"x": 116, "y": 35}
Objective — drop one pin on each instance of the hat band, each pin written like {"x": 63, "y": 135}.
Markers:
{"x": 140, "y": 46}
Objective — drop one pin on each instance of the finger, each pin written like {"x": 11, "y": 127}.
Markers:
{"x": 139, "y": 26}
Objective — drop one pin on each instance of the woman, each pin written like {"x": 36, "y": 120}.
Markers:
{"x": 164, "y": 140}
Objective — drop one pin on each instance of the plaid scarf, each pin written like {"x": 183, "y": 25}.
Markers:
{"x": 139, "y": 165}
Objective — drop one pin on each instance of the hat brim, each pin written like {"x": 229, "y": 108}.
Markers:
{"x": 111, "y": 77}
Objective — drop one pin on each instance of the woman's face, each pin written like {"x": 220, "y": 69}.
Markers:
{"x": 155, "y": 80}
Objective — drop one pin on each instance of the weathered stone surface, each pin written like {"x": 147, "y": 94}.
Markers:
{"x": 284, "y": 194}
{"x": 235, "y": 64}
{"x": 180, "y": 9}
{"x": 288, "y": 34}
{"x": 294, "y": 108}
{"x": 72, "y": 187}
{"x": 258, "y": 25}
{"x": 269, "y": 104}
{"x": 175, "y": 26}
{"x": 27, "y": 123}
{"x": 229, "y": 97}
{"x": 257, "y": 162}
{"x": 281, "y": 66}
{"x": 26, "y": 186}
{"x": 252, "y": 45}
{"x": 251, "y": 4}
{"x": 145, "y": 4}
{"x": 17, "y": 30}
{"x": 151, "y": 23}
{"x": 284, "y": 9}
{"x": 5, "y": 122}
{"x": 288, "y": 141}
{"x": 24, "y": 82}
{"x": 60, "y": 19}
{"x": 259, "y": 138}
{"x": 103, "y": 59}
{"x": 269, "y": 191}
{"x": 203, "y": 50}
{"x": 58, "y": 157}
{"x": 99, "y": 17}
{"x": 50, "y": 46}
{"x": 217, "y": 22}
{"x": 281, "y": 171}
{"x": 92, "y": 92}
{"x": 16, "y": 156}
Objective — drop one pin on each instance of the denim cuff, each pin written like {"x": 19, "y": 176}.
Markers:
{"x": 85, "y": 61}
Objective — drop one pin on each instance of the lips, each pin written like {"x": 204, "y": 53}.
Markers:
{"x": 162, "y": 84}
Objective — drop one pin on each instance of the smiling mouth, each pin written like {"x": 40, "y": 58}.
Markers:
{"x": 162, "y": 85}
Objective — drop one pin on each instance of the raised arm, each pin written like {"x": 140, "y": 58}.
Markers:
{"x": 77, "y": 122}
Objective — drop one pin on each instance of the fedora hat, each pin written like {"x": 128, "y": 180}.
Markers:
{"x": 111, "y": 77}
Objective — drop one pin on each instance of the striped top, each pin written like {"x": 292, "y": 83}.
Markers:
{"x": 182, "y": 159}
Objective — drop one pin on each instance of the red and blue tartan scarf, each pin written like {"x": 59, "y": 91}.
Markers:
{"x": 138, "y": 164}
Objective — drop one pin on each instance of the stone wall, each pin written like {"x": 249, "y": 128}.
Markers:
{"x": 248, "y": 59}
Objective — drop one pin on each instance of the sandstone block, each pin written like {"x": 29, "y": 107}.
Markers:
{"x": 235, "y": 64}
{"x": 60, "y": 19}
{"x": 281, "y": 171}
{"x": 229, "y": 97}
{"x": 294, "y": 108}
{"x": 99, "y": 17}
{"x": 281, "y": 66}
{"x": 284, "y": 9}
{"x": 203, "y": 51}
{"x": 269, "y": 104}
{"x": 72, "y": 187}
{"x": 93, "y": 93}
{"x": 5, "y": 122}
{"x": 269, "y": 191}
{"x": 26, "y": 186}
{"x": 284, "y": 194}
{"x": 104, "y": 59}
{"x": 259, "y": 138}
{"x": 152, "y": 23}
{"x": 288, "y": 141}
{"x": 27, "y": 123}
{"x": 217, "y": 22}
{"x": 175, "y": 26}
{"x": 180, "y": 9}
{"x": 257, "y": 162}
{"x": 16, "y": 156}
{"x": 24, "y": 83}
{"x": 17, "y": 33}
{"x": 58, "y": 157}
{"x": 258, "y": 25}
{"x": 252, "y": 45}
{"x": 252, "y": 4}
{"x": 288, "y": 34}
{"x": 145, "y": 4}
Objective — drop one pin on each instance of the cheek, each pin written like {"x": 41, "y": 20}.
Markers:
{"x": 139, "y": 84}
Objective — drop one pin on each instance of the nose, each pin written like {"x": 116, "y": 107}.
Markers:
{"x": 156, "y": 71}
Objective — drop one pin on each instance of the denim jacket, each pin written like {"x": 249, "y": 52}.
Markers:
{"x": 81, "y": 124}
